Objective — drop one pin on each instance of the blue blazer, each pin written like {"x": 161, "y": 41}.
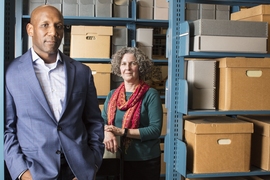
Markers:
{"x": 33, "y": 137}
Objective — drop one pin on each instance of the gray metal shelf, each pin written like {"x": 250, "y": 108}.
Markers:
{"x": 177, "y": 89}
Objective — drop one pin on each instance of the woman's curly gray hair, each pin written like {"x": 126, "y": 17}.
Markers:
{"x": 145, "y": 64}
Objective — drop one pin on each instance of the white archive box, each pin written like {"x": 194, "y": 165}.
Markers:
{"x": 161, "y": 9}
{"x": 121, "y": 8}
{"x": 87, "y": 8}
{"x": 35, "y": 3}
{"x": 70, "y": 8}
{"x": 144, "y": 36}
{"x": 55, "y": 3}
{"x": 104, "y": 8}
{"x": 228, "y": 44}
{"x": 201, "y": 78}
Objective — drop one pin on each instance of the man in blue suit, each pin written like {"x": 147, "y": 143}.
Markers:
{"x": 53, "y": 124}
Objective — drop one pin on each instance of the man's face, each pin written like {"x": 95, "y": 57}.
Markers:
{"x": 46, "y": 29}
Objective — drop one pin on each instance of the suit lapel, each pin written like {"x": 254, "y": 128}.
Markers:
{"x": 27, "y": 71}
{"x": 70, "y": 78}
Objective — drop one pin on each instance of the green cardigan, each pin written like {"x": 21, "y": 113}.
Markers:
{"x": 148, "y": 146}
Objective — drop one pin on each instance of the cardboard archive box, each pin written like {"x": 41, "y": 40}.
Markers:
{"x": 101, "y": 74}
{"x": 56, "y": 3}
{"x": 260, "y": 146}
{"x": 90, "y": 41}
{"x": 217, "y": 144}
{"x": 228, "y": 44}
{"x": 121, "y": 8}
{"x": 244, "y": 84}
{"x": 70, "y": 8}
{"x": 163, "y": 164}
{"x": 164, "y": 124}
{"x": 87, "y": 8}
{"x": 144, "y": 39}
{"x": 207, "y": 11}
{"x": 33, "y": 4}
{"x": 201, "y": 78}
{"x": 257, "y": 13}
{"x": 119, "y": 38}
{"x": 161, "y": 9}
{"x": 145, "y": 9}
{"x": 223, "y": 12}
{"x": 103, "y": 8}
{"x": 192, "y": 11}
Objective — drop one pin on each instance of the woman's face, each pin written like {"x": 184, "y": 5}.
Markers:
{"x": 129, "y": 68}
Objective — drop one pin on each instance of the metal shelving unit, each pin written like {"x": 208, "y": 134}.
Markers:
{"x": 177, "y": 89}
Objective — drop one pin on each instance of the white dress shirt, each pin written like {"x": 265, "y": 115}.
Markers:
{"x": 52, "y": 81}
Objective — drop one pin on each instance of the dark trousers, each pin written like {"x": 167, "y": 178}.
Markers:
{"x": 65, "y": 171}
{"x": 142, "y": 170}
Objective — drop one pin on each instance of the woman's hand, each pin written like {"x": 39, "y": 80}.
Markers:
{"x": 115, "y": 130}
{"x": 110, "y": 142}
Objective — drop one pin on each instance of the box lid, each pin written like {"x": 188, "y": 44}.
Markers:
{"x": 253, "y": 11}
{"x": 261, "y": 123}
{"x": 121, "y": 2}
{"x": 99, "y": 30}
{"x": 217, "y": 125}
{"x": 244, "y": 62}
{"x": 161, "y": 3}
{"x": 104, "y": 1}
{"x": 146, "y": 3}
{"x": 99, "y": 68}
{"x": 217, "y": 27}
{"x": 86, "y": 2}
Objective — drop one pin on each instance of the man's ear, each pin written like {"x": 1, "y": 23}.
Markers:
{"x": 29, "y": 29}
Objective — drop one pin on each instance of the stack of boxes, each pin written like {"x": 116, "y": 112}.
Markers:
{"x": 153, "y": 9}
{"x": 210, "y": 35}
{"x": 242, "y": 85}
{"x": 196, "y": 11}
{"x": 259, "y": 13}
{"x": 88, "y": 8}
{"x": 78, "y": 8}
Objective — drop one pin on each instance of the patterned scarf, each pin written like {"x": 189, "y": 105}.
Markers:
{"x": 132, "y": 107}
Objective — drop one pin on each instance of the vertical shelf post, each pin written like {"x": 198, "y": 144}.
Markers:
{"x": 2, "y": 59}
{"x": 175, "y": 74}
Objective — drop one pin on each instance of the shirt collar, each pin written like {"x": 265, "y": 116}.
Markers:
{"x": 36, "y": 57}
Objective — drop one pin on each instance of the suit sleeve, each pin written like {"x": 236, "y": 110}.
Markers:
{"x": 94, "y": 122}
{"x": 12, "y": 152}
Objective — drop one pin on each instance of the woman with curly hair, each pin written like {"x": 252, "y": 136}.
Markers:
{"x": 133, "y": 111}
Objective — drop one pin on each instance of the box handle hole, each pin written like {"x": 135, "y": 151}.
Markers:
{"x": 254, "y": 73}
{"x": 224, "y": 141}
